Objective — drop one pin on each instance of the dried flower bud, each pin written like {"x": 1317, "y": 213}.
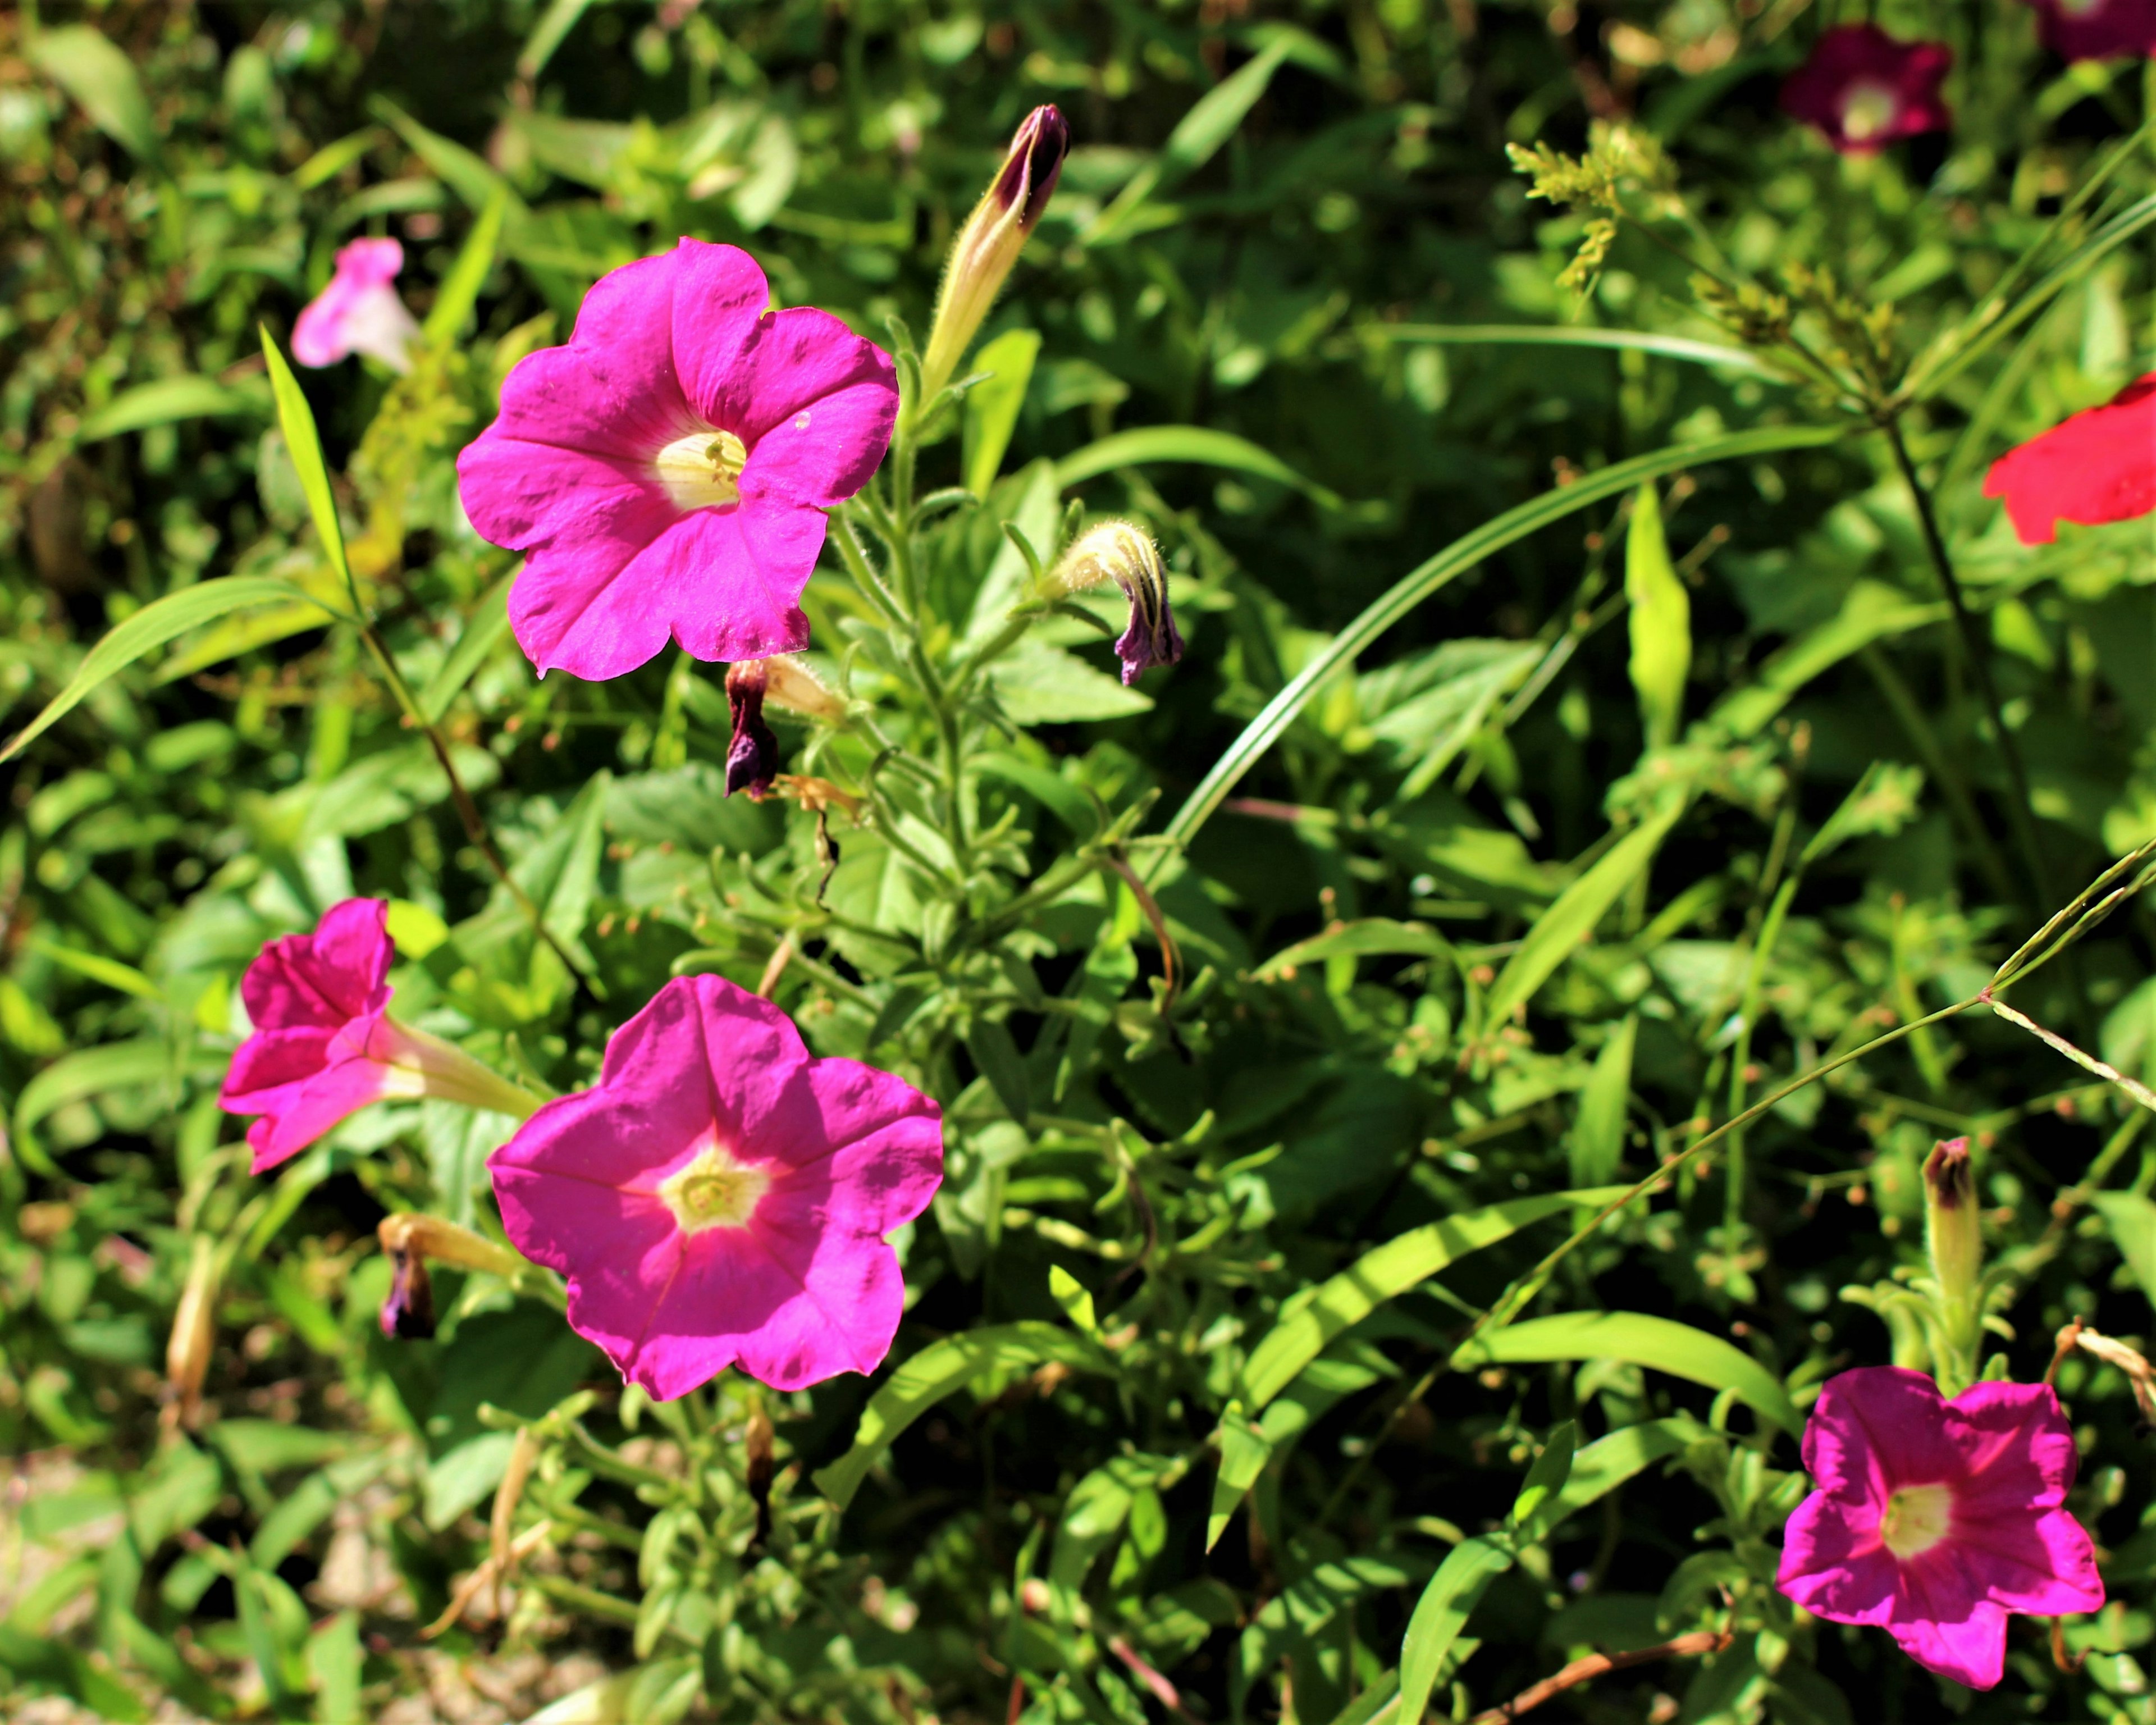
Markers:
{"x": 411, "y": 1238}
{"x": 989, "y": 242}
{"x": 753, "y": 756}
{"x": 1123, "y": 552}
{"x": 759, "y": 1462}
{"x": 407, "y": 1315}
{"x": 194, "y": 1333}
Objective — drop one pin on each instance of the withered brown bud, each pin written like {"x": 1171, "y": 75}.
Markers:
{"x": 753, "y": 756}
{"x": 1949, "y": 1178}
{"x": 407, "y": 1315}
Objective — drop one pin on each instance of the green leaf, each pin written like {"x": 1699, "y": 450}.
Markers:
{"x": 87, "y": 1072}
{"x": 1195, "y": 444}
{"x": 460, "y": 290}
{"x": 992, "y": 406}
{"x": 1548, "y": 1476}
{"x": 1455, "y": 560}
{"x": 164, "y": 401}
{"x": 1373, "y": 936}
{"x": 463, "y": 172}
{"x": 305, "y": 444}
{"x": 1036, "y": 684}
{"x": 483, "y": 631}
{"x": 1439, "y": 1615}
{"x": 243, "y": 632}
{"x": 334, "y": 1659}
{"x": 935, "y": 1373}
{"x": 2131, "y": 1219}
{"x": 100, "y": 77}
{"x": 1661, "y": 621}
{"x": 1485, "y": 334}
{"x": 1295, "y": 1616}
{"x": 1244, "y": 1450}
{"x": 1660, "y": 1342}
{"x": 1210, "y": 122}
{"x": 1872, "y": 612}
{"x": 149, "y": 628}
{"x": 98, "y": 968}
{"x": 1559, "y": 931}
{"x": 1597, "y": 1144}
{"x": 52, "y": 1665}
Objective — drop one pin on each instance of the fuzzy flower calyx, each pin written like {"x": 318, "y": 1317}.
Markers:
{"x": 2096, "y": 30}
{"x": 359, "y": 311}
{"x": 1863, "y": 90}
{"x": 1124, "y": 553}
{"x": 324, "y": 1046}
{"x": 667, "y": 473}
{"x": 2096, "y": 467}
{"x": 988, "y": 244}
{"x": 1935, "y": 1519}
{"x": 721, "y": 1196}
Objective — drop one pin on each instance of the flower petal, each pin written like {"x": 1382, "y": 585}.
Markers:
{"x": 1967, "y": 1644}
{"x": 850, "y": 1297}
{"x": 302, "y": 1113}
{"x": 815, "y": 403}
{"x": 613, "y": 390}
{"x": 884, "y": 1158}
{"x": 721, "y": 305}
{"x": 1833, "y": 1564}
{"x": 270, "y": 1060}
{"x": 1878, "y": 1428}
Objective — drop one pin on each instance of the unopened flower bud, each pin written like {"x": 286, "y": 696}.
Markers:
{"x": 1950, "y": 1218}
{"x": 194, "y": 1332}
{"x": 989, "y": 242}
{"x": 753, "y": 756}
{"x": 1125, "y": 554}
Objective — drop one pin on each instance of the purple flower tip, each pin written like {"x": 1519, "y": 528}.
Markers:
{"x": 753, "y": 756}
{"x": 1935, "y": 1519}
{"x": 1035, "y": 163}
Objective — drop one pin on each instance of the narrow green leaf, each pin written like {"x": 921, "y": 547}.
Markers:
{"x": 460, "y": 290}
{"x": 149, "y": 628}
{"x": 333, "y": 159}
{"x": 99, "y": 76}
{"x": 1373, "y": 936}
{"x": 483, "y": 631}
{"x": 1455, "y": 560}
{"x": 549, "y": 34}
{"x": 1244, "y": 1450}
{"x": 935, "y": 1373}
{"x": 334, "y": 1659}
{"x": 87, "y": 1072}
{"x": 1439, "y": 1615}
{"x": 2131, "y": 1219}
{"x": 304, "y": 444}
{"x": 1872, "y": 612}
{"x": 1661, "y": 621}
{"x": 1552, "y": 1471}
{"x": 1487, "y": 335}
{"x": 165, "y": 401}
{"x": 464, "y": 173}
{"x": 98, "y": 968}
{"x": 1597, "y": 1144}
{"x": 1660, "y": 1342}
{"x": 1198, "y": 444}
{"x": 1559, "y": 931}
{"x": 992, "y": 406}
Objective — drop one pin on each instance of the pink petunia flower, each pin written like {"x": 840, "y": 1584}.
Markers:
{"x": 720, "y": 1196}
{"x": 324, "y": 1046}
{"x": 1864, "y": 90}
{"x": 668, "y": 471}
{"x": 1934, "y": 1519}
{"x": 2096, "y": 30}
{"x": 2098, "y": 466}
{"x": 358, "y": 312}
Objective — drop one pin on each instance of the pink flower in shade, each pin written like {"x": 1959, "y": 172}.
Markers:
{"x": 2099, "y": 466}
{"x": 358, "y": 312}
{"x": 720, "y": 1196}
{"x": 2096, "y": 30}
{"x": 324, "y": 1047}
{"x": 1933, "y": 1519}
{"x": 1864, "y": 90}
{"x": 668, "y": 471}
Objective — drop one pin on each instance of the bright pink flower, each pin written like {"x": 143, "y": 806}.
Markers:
{"x": 2099, "y": 466}
{"x": 1864, "y": 90}
{"x": 1934, "y": 1519}
{"x": 2096, "y": 30}
{"x": 358, "y": 312}
{"x": 668, "y": 471}
{"x": 720, "y": 1196}
{"x": 324, "y": 1047}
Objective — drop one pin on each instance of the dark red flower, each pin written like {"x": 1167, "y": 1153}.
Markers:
{"x": 2099, "y": 466}
{"x": 1863, "y": 90}
{"x": 2096, "y": 30}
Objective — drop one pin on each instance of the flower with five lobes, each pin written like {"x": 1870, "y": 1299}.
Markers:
{"x": 667, "y": 473}
{"x": 1863, "y": 90}
{"x": 1934, "y": 1519}
{"x": 2096, "y": 30}
{"x": 358, "y": 312}
{"x": 324, "y": 1046}
{"x": 2098, "y": 466}
{"x": 721, "y": 1196}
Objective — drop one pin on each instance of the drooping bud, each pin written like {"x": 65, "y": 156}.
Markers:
{"x": 1124, "y": 553}
{"x": 759, "y": 1463}
{"x": 753, "y": 756}
{"x": 410, "y": 1238}
{"x": 989, "y": 242}
{"x": 407, "y": 1315}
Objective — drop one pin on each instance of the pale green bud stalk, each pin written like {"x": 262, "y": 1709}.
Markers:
{"x": 1953, "y": 1232}
{"x": 421, "y": 1065}
{"x": 988, "y": 244}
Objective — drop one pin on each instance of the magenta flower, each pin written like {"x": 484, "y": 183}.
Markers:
{"x": 1864, "y": 90}
{"x": 2096, "y": 30}
{"x": 358, "y": 312}
{"x": 1934, "y": 1519}
{"x": 2098, "y": 466}
{"x": 720, "y": 1196}
{"x": 667, "y": 472}
{"x": 324, "y": 1046}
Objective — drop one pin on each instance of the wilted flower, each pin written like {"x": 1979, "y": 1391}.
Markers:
{"x": 2096, "y": 30}
{"x": 1124, "y": 553}
{"x": 324, "y": 1046}
{"x": 1934, "y": 1519}
{"x": 2099, "y": 466}
{"x": 720, "y": 1196}
{"x": 989, "y": 242}
{"x": 1864, "y": 90}
{"x": 667, "y": 472}
{"x": 752, "y": 755}
{"x": 194, "y": 1332}
{"x": 358, "y": 312}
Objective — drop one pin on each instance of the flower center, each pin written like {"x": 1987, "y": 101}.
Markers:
{"x": 1867, "y": 110}
{"x": 712, "y": 1190}
{"x": 702, "y": 470}
{"x": 1917, "y": 1518}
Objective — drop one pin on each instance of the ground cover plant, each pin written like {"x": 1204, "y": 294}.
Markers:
{"x": 893, "y": 861}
